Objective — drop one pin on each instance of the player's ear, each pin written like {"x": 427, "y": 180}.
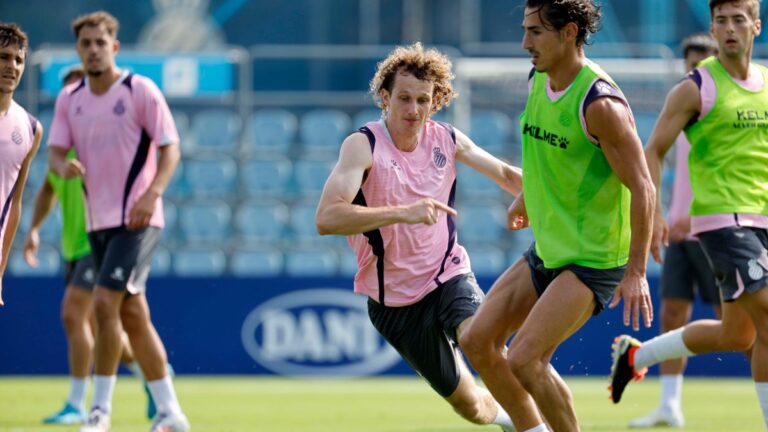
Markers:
{"x": 116, "y": 45}
{"x": 758, "y": 27}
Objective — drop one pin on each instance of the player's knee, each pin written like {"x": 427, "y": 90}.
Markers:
{"x": 469, "y": 408}
{"x": 738, "y": 341}
{"x": 71, "y": 318}
{"x": 478, "y": 347}
{"x": 134, "y": 319}
{"x": 524, "y": 367}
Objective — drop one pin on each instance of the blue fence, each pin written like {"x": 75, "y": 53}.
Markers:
{"x": 285, "y": 326}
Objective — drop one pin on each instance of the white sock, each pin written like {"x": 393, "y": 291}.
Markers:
{"x": 762, "y": 397}
{"x": 135, "y": 369}
{"x": 165, "y": 396}
{"x": 502, "y": 418}
{"x": 540, "y": 428}
{"x": 77, "y": 389}
{"x": 664, "y": 347}
{"x": 671, "y": 391}
{"x": 103, "y": 387}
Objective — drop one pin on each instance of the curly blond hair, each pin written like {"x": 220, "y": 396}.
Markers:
{"x": 427, "y": 65}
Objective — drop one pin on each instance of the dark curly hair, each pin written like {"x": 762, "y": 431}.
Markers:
{"x": 12, "y": 34}
{"x": 556, "y": 14}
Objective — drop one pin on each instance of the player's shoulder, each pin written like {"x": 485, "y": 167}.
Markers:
{"x": 140, "y": 83}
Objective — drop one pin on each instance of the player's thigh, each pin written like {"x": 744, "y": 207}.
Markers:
{"x": 738, "y": 329}
{"x": 562, "y": 309}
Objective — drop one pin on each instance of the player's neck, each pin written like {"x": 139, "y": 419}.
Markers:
{"x": 5, "y": 103}
{"x": 102, "y": 83}
{"x": 403, "y": 141}
{"x": 737, "y": 68}
{"x": 562, "y": 75}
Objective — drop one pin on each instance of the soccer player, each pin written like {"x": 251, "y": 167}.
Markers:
{"x": 685, "y": 269}
{"x": 20, "y": 135}
{"x": 721, "y": 108}
{"x": 127, "y": 148}
{"x": 392, "y": 193}
{"x": 77, "y": 305}
{"x": 589, "y": 198}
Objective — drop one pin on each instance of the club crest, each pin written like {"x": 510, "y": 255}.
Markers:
{"x": 439, "y": 157}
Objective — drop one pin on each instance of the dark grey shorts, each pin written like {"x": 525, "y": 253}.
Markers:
{"x": 739, "y": 259}
{"x": 424, "y": 333}
{"x": 123, "y": 256}
{"x": 602, "y": 283}
{"x": 80, "y": 273}
{"x": 686, "y": 271}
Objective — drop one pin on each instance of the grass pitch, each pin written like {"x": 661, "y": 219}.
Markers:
{"x": 247, "y": 403}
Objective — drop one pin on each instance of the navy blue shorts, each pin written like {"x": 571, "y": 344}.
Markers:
{"x": 739, "y": 259}
{"x": 123, "y": 256}
{"x": 686, "y": 271}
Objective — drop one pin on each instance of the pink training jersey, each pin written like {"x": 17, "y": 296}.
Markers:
{"x": 400, "y": 264}
{"x": 17, "y": 135}
{"x": 116, "y": 136}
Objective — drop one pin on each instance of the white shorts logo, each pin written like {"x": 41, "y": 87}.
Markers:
{"x": 756, "y": 271}
{"x": 118, "y": 274}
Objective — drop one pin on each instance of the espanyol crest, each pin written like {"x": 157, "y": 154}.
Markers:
{"x": 439, "y": 157}
{"x": 16, "y": 136}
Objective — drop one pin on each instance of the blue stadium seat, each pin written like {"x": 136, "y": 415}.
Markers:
{"x": 259, "y": 221}
{"x": 365, "y": 116}
{"x": 644, "y": 122}
{"x": 309, "y": 175}
{"x": 487, "y": 261}
{"x": 302, "y": 222}
{"x": 347, "y": 262}
{"x": 45, "y": 118}
{"x": 177, "y": 188}
{"x": 38, "y": 174}
{"x": 199, "y": 262}
{"x": 171, "y": 216}
{"x": 256, "y": 262}
{"x": 473, "y": 185}
{"x": 49, "y": 263}
{"x": 484, "y": 223}
{"x": 311, "y": 261}
{"x": 521, "y": 241}
{"x": 181, "y": 119}
{"x": 271, "y": 131}
{"x": 323, "y": 130}
{"x": 217, "y": 130}
{"x": 205, "y": 221}
{"x": 161, "y": 262}
{"x": 266, "y": 176}
{"x": 212, "y": 176}
{"x": 491, "y": 130}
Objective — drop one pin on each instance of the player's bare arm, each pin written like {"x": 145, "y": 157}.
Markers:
{"x": 337, "y": 215}
{"x": 65, "y": 168}
{"x": 517, "y": 215}
{"x": 682, "y": 104}
{"x": 142, "y": 210}
{"x": 610, "y": 121}
{"x": 14, "y": 214}
{"x": 44, "y": 202}
{"x": 508, "y": 177}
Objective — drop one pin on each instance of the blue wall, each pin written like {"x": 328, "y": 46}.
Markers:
{"x": 274, "y": 326}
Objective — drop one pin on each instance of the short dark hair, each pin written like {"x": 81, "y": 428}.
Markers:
{"x": 753, "y": 7}
{"x": 558, "y": 13}
{"x": 699, "y": 42}
{"x": 12, "y": 34}
{"x": 95, "y": 19}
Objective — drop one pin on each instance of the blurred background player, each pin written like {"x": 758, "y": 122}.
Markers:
{"x": 392, "y": 193}
{"x": 25, "y": 133}
{"x": 77, "y": 304}
{"x": 685, "y": 269}
{"x": 127, "y": 149}
{"x": 721, "y": 108}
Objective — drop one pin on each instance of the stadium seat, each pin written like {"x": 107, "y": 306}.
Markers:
{"x": 347, "y": 262}
{"x": 484, "y": 222}
{"x": 216, "y": 130}
{"x": 161, "y": 262}
{"x": 311, "y": 262}
{"x": 270, "y": 131}
{"x": 491, "y": 130}
{"x": 181, "y": 119}
{"x": 644, "y": 122}
{"x": 199, "y": 262}
{"x": 205, "y": 221}
{"x": 38, "y": 173}
{"x": 170, "y": 214}
{"x": 302, "y": 221}
{"x": 256, "y": 262}
{"x": 177, "y": 188}
{"x": 365, "y": 116}
{"x": 259, "y": 221}
{"x": 266, "y": 177}
{"x": 487, "y": 261}
{"x": 309, "y": 175}
{"x": 49, "y": 262}
{"x": 473, "y": 185}
{"x": 211, "y": 176}
{"x": 323, "y": 130}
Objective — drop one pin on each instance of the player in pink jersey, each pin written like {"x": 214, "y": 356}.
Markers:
{"x": 20, "y": 135}
{"x": 392, "y": 193}
{"x": 685, "y": 269}
{"x": 127, "y": 149}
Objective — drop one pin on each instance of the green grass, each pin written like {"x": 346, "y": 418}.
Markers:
{"x": 235, "y": 404}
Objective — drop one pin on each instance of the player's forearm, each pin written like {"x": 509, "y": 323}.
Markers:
{"x": 10, "y": 232}
{"x": 642, "y": 206}
{"x": 349, "y": 219}
{"x": 655, "y": 167}
{"x": 512, "y": 179}
{"x": 166, "y": 165}
{"x": 44, "y": 202}
{"x": 57, "y": 160}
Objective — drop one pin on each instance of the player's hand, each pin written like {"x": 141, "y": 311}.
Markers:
{"x": 517, "y": 215}
{"x": 31, "y": 245}
{"x": 659, "y": 237}
{"x": 679, "y": 230}
{"x": 142, "y": 211}
{"x": 427, "y": 211}
{"x": 72, "y": 168}
{"x": 633, "y": 288}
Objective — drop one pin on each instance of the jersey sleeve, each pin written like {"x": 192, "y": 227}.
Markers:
{"x": 155, "y": 115}
{"x": 60, "y": 134}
